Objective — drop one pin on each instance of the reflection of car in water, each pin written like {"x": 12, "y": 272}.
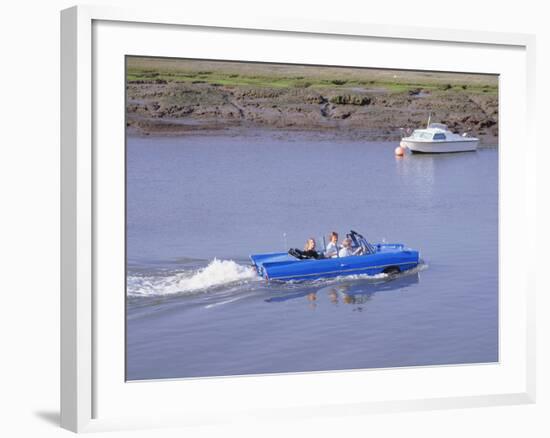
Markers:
{"x": 374, "y": 259}
{"x": 352, "y": 292}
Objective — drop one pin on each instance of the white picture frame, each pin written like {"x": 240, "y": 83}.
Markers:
{"x": 92, "y": 395}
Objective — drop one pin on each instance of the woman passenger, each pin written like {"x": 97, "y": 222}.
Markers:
{"x": 309, "y": 249}
{"x": 332, "y": 247}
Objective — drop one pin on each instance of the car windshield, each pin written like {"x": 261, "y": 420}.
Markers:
{"x": 360, "y": 241}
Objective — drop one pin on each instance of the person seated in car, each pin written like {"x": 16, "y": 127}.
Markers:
{"x": 309, "y": 249}
{"x": 347, "y": 250}
{"x": 332, "y": 247}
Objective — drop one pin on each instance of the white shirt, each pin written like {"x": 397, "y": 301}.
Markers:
{"x": 331, "y": 250}
{"x": 345, "y": 252}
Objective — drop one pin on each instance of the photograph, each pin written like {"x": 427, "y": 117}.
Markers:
{"x": 290, "y": 218}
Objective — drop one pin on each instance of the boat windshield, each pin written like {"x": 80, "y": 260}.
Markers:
{"x": 422, "y": 135}
{"x": 439, "y": 136}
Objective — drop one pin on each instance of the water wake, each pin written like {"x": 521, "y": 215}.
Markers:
{"x": 218, "y": 273}
{"x": 230, "y": 276}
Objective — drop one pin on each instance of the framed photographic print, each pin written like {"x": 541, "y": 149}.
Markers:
{"x": 291, "y": 218}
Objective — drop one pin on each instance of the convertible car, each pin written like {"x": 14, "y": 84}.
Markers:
{"x": 389, "y": 258}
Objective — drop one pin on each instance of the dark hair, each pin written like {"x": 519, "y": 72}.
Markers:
{"x": 334, "y": 234}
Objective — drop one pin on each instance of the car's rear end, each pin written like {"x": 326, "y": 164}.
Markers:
{"x": 261, "y": 262}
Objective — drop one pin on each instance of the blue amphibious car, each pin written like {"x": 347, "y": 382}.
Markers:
{"x": 377, "y": 258}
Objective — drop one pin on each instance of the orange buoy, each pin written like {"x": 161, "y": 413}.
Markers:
{"x": 399, "y": 151}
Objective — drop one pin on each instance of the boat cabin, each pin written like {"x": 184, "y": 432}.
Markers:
{"x": 435, "y": 131}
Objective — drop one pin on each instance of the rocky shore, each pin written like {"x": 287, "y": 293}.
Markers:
{"x": 172, "y": 97}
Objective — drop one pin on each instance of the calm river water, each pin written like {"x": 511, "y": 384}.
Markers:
{"x": 197, "y": 206}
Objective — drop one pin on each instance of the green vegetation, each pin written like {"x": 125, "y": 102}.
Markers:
{"x": 277, "y": 76}
{"x": 350, "y": 100}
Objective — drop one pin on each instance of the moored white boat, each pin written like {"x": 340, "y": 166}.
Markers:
{"x": 436, "y": 138}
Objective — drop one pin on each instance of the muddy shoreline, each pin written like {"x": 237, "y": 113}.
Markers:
{"x": 361, "y": 104}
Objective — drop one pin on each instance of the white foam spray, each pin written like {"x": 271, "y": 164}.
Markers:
{"x": 217, "y": 273}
